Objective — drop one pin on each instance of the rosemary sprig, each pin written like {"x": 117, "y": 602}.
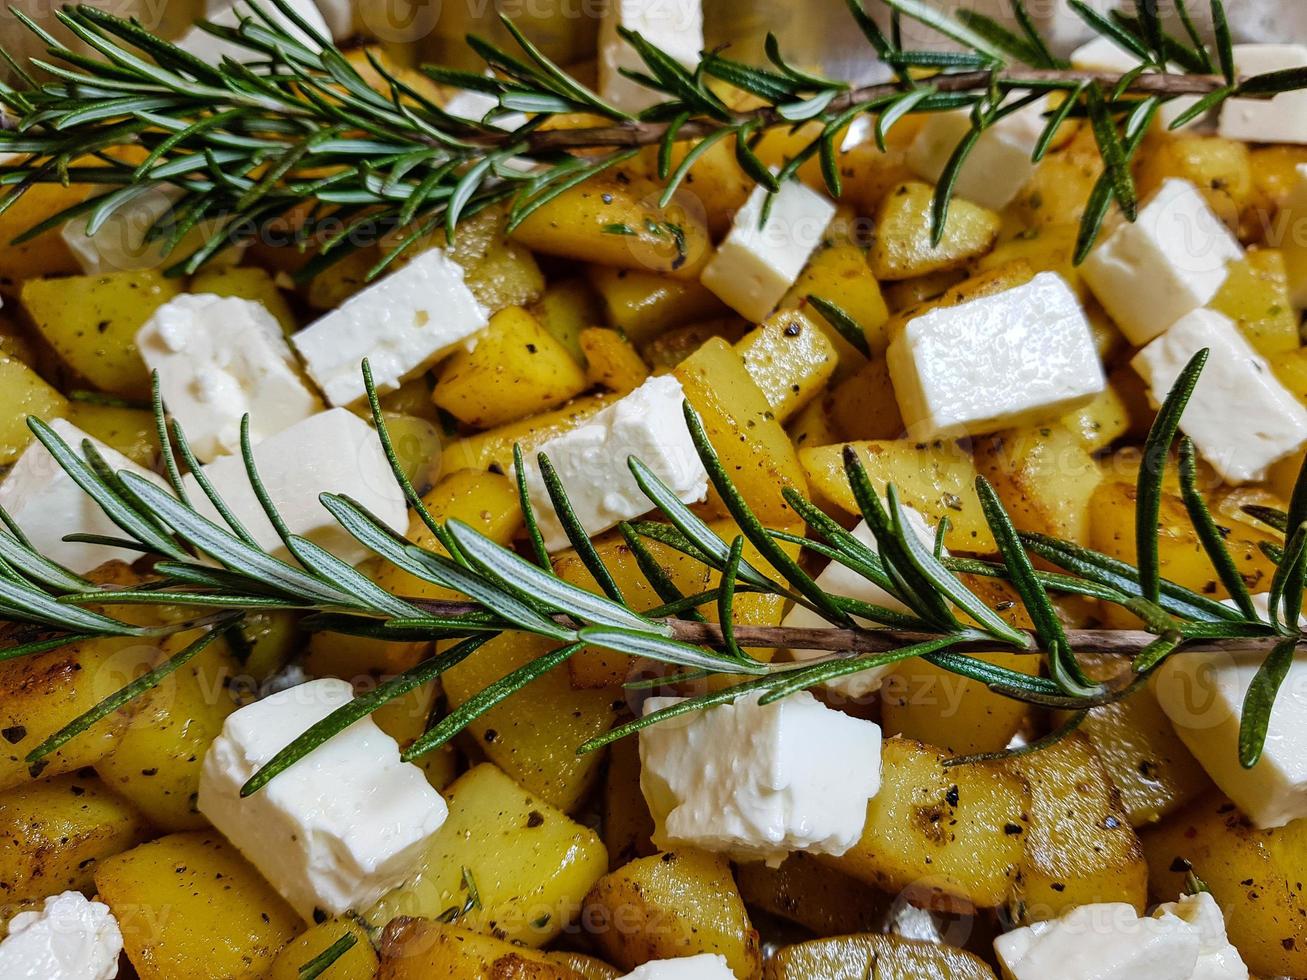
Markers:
{"x": 505, "y": 591}
{"x": 243, "y": 144}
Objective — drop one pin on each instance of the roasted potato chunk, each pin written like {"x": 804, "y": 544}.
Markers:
{"x": 882, "y": 957}
{"x": 903, "y": 246}
{"x": 419, "y": 949}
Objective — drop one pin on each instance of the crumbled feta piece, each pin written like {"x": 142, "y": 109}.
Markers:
{"x": 674, "y": 26}
{"x": 1013, "y": 358}
{"x": 1268, "y": 424}
{"x": 1169, "y": 262}
{"x": 757, "y": 782}
{"x": 1217, "y": 957}
{"x": 219, "y": 359}
{"x": 402, "y": 324}
{"x": 706, "y": 966}
{"x": 840, "y": 580}
{"x": 119, "y": 244}
{"x": 207, "y": 47}
{"x": 338, "y": 829}
{"x": 1281, "y": 119}
{"x": 1203, "y": 693}
{"x": 591, "y": 461}
{"x": 1105, "y": 55}
{"x": 331, "y": 452}
{"x": 757, "y": 264}
{"x": 1292, "y": 234}
{"x": 1107, "y": 941}
{"x": 48, "y": 504}
{"x": 1000, "y": 163}
{"x": 70, "y": 938}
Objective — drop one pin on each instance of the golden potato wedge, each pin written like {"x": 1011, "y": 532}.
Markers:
{"x": 517, "y": 369}
{"x": 644, "y": 304}
{"x": 840, "y": 274}
{"x": 131, "y": 431}
{"x": 790, "y": 360}
{"x": 532, "y": 865}
{"x": 903, "y": 246}
{"x": 937, "y": 478}
{"x": 954, "y": 836}
{"x": 1101, "y": 422}
{"x": 565, "y": 309}
{"x": 190, "y": 906}
{"x": 1044, "y": 476}
{"x": 628, "y": 826}
{"x": 1220, "y": 168}
{"x": 679, "y": 903}
{"x": 882, "y": 957}
{"x": 611, "y": 361}
{"x": 669, "y": 349}
{"x": 1254, "y": 875}
{"x": 55, "y": 832}
{"x": 1255, "y": 295}
{"x": 359, "y": 962}
{"x": 22, "y": 393}
{"x": 1080, "y": 847}
{"x": 813, "y": 895}
{"x": 616, "y": 220}
{"x": 419, "y": 949}
{"x": 91, "y": 322}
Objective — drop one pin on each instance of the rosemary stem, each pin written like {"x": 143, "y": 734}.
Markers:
{"x": 649, "y": 133}
{"x": 1123, "y": 643}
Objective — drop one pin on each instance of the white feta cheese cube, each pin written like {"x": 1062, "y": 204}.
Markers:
{"x": 837, "y": 579}
{"x": 1203, "y": 693}
{"x": 674, "y": 26}
{"x": 402, "y": 324}
{"x": 1281, "y": 119}
{"x": 1105, "y": 55}
{"x": 757, "y": 782}
{"x": 70, "y": 938}
{"x": 706, "y": 966}
{"x": 335, "y": 831}
{"x": 119, "y": 244}
{"x": 1170, "y": 261}
{"x": 207, "y": 47}
{"x": 756, "y": 264}
{"x": 48, "y": 504}
{"x": 219, "y": 359}
{"x": 591, "y": 461}
{"x": 1107, "y": 941}
{"x": 331, "y": 452}
{"x": 1054, "y": 19}
{"x": 1268, "y": 424}
{"x": 998, "y": 166}
{"x": 1217, "y": 957}
{"x": 1292, "y": 238}
{"x": 1014, "y": 358}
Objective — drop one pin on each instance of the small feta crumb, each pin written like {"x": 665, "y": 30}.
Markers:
{"x": 1105, "y": 941}
{"x": 1240, "y": 417}
{"x": 1217, "y": 957}
{"x": 706, "y": 966}
{"x": 1203, "y": 694}
{"x": 70, "y": 938}
{"x": 213, "y": 49}
{"x": 47, "y": 503}
{"x": 339, "y": 828}
{"x": 840, "y": 580}
{"x": 674, "y": 26}
{"x": 1013, "y": 358}
{"x": 1293, "y": 238}
{"x": 331, "y": 452}
{"x": 1170, "y": 261}
{"x": 757, "y": 264}
{"x": 402, "y": 324}
{"x": 591, "y": 461}
{"x": 998, "y": 166}
{"x": 757, "y": 782}
{"x": 219, "y": 359}
{"x": 1281, "y": 119}
{"x": 473, "y": 105}
{"x": 1105, "y": 55}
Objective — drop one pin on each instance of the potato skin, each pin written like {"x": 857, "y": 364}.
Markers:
{"x": 679, "y": 903}
{"x": 190, "y": 906}
{"x": 869, "y": 955}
